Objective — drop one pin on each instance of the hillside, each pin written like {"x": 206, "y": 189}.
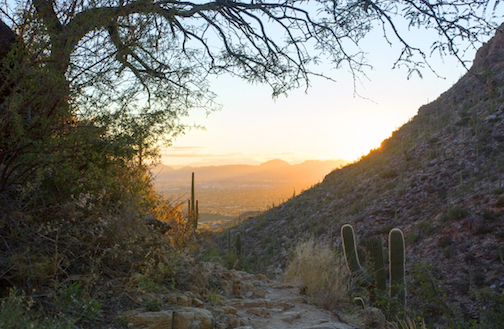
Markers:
{"x": 439, "y": 178}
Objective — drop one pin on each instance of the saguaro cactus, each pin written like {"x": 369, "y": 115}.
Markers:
{"x": 397, "y": 257}
{"x": 192, "y": 207}
{"x": 375, "y": 250}
{"x": 238, "y": 245}
{"x": 228, "y": 234}
{"x": 351, "y": 257}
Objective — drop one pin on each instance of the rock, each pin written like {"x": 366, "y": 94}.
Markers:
{"x": 374, "y": 318}
{"x": 196, "y": 302}
{"x": 227, "y": 310}
{"x": 332, "y": 325}
{"x": 193, "y": 318}
{"x": 152, "y": 320}
{"x": 227, "y": 321}
{"x": 254, "y": 303}
{"x": 259, "y": 311}
{"x": 290, "y": 316}
{"x": 322, "y": 326}
{"x": 283, "y": 304}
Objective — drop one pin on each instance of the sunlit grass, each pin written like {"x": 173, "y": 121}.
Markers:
{"x": 322, "y": 268}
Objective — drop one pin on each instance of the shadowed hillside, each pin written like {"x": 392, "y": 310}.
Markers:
{"x": 439, "y": 178}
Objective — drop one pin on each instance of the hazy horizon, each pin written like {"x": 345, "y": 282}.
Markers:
{"x": 332, "y": 120}
{"x": 250, "y": 162}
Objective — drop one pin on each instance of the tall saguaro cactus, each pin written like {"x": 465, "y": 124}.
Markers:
{"x": 375, "y": 249}
{"x": 238, "y": 245}
{"x": 192, "y": 207}
{"x": 397, "y": 258}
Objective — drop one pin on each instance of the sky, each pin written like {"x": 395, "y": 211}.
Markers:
{"x": 327, "y": 122}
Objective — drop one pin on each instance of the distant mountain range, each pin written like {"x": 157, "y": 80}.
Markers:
{"x": 311, "y": 171}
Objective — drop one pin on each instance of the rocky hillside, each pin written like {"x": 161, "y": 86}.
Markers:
{"x": 439, "y": 178}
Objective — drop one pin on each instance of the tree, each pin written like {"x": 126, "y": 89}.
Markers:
{"x": 131, "y": 68}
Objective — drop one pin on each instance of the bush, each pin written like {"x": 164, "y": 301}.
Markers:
{"x": 454, "y": 214}
{"x": 17, "y": 311}
{"x": 322, "y": 268}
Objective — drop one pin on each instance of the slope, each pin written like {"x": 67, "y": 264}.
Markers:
{"x": 438, "y": 178}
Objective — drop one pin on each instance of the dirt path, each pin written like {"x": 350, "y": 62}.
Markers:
{"x": 270, "y": 304}
{"x": 253, "y": 302}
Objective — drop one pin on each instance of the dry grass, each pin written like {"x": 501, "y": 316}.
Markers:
{"x": 407, "y": 324}
{"x": 322, "y": 268}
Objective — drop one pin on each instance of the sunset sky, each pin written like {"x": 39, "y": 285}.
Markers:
{"x": 327, "y": 122}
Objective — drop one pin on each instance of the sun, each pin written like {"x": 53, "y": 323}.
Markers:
{"x": 366, "y": 136}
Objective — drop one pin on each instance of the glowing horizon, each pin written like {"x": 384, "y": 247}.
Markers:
{"x": 328, "y": 122}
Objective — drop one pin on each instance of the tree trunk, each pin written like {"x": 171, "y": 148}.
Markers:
{"x": 7, "y": 37}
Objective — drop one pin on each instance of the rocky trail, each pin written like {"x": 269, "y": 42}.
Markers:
{"x": 220, "y": 298}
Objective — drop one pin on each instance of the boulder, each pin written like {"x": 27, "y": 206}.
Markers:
{"x": 193, "y": 318}
{"x": 152, "y": 320}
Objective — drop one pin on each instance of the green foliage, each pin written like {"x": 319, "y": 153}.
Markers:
{"x": 18, "y": 311}
{"x": 152, "y": 306}
{"x": 75, "y": 300}
{"x": 424, "y": 227}
{"x": 454, "y": 214}
{"x": 388, "y": 173}
{"x": 492, "y": 312}
{"x": 430, "y": 301}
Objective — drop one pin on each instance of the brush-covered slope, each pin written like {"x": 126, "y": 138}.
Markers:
{"x": 439, "y": 178}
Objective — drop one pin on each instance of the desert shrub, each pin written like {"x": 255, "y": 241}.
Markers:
{"x": 388, "y": 173}
{"x": 492, "y": 312}
{"x": 424, "y": 227}
{"x": 18, "y": 311}
{"x": 322, "y": 268}
{"x": 454, "y": 214}
{"x": 72, "y": 250}
{"x": 428, "y": 300}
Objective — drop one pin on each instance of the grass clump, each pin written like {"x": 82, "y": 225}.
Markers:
{"x": 322, "y": 269}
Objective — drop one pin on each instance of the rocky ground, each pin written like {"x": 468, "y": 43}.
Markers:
{"x": 221, "y": 298}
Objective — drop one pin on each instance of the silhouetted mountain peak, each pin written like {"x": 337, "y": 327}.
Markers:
{"x": 274, "y": 164}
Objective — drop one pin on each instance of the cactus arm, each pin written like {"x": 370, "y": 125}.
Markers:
{"x": 351, "y": 257}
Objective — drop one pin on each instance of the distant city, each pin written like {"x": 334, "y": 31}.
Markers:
{"x": 225, "y": 192}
